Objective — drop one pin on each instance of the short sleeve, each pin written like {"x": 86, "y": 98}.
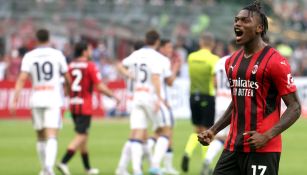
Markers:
{"x": 280, "y": 72}
{"x": 25, "y": 64}
{"x": 94, "y": 73}
{"x": 127, "y": 61}
{"x": 63, "y": 63}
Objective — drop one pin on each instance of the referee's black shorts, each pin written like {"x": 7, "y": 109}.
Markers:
{"x": 202, "y": 109}
{"x": 82, "y": 123}
{"x": 253, "y": 163}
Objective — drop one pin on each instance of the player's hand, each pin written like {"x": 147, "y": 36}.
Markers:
{"x": 117, "y": 100}
{"x": 157, "y": 105}
{"x": 256, "y": 140}
{"x": 13, "y": 106}
{"x": 205, "y": 137}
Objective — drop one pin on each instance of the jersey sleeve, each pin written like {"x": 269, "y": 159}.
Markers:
{"x": 26, "y": 64}
{"x": 227, "y": 62}
{"x": 63, "y": 63}
{"x": 95, "y": 75}
{"x": 168, "y": 71}
{"x": 280, "y": 72}
{"x": 127, "y": 61}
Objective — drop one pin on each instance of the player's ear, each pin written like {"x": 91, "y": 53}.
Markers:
{"x": 259, "y": 28}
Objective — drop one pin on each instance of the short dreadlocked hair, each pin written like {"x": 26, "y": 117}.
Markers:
{"x": 256, "y": 7}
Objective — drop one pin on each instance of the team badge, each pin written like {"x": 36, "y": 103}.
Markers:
{"x": 255, "y": 68}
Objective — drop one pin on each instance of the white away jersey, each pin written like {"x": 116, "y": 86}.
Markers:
{"x": 223, "y": 93}
{"x": 166, "y": 72}
{"x": 143, "y": 63}
{"x": 45, "y": 65}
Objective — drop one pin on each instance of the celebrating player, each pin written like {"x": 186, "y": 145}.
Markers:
{"x": 259, "y": 78}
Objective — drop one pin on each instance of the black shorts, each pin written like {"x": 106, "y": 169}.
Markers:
{"x": 202, "y": 109}
{"x": 82, "y": 123}
{"x": 239, "y": 163}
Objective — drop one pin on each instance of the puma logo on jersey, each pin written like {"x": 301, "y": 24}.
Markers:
{"x": 283, "y": 62}
{"x": 232, "y": 67}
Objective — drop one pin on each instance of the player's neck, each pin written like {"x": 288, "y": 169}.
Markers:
{"x": 82, "y": 58}
{"x": 253, "y": 46}
{"x": 45, "y": 44}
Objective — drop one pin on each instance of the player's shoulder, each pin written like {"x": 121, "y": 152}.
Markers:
{"x": 277, "y": 58}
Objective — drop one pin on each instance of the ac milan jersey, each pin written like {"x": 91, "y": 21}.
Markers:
{"x": 85, "y": 76}
{"x": 257, "y": 85}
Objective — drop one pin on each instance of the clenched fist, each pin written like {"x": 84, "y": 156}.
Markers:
{"x": 205, "y": 137}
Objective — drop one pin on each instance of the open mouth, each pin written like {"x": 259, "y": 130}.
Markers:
{"x": 239, "y": 33}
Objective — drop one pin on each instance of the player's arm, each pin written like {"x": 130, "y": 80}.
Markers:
{"x": 67, "y": 82}
{"x": 155, "y": 78}
{"x": 287, "y": 119}
{"x": 170, "y": 80}
{"x": 102, "y": 88}
{"x": 207, "y": 136}
{"x": 22, "y": 78}
{"x": 123, "y": 70}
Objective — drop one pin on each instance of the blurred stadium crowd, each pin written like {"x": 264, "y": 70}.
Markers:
{"x": 112, "y": 27}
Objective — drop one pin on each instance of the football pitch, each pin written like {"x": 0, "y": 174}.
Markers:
{"x": 107, "y": 136}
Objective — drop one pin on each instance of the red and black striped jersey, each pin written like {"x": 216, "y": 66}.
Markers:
{"x": 257, "y": 85}
{"x": 85, "y": 76}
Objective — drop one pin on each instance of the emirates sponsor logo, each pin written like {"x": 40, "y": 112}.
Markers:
{"x": 244, "y": 88}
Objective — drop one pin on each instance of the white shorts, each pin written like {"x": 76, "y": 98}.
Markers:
{"x": 140, "y": 116}
{"x": 164, "y": 117}
{"x": 218, "y": 115}
{"x": 46, "y": 118}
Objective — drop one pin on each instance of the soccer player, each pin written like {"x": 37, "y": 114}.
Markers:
{"x": 146, "y": 99}
{"x": 202, "y": 101}
{"x": 85, "y": 77}
{"x": 222, "y": 101}
{"x": 45, "y": 65}
{"x": 164, "y": 130}
{"x": 259, "y": 78}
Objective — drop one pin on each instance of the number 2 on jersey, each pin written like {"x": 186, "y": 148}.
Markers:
{"x": 76, "y": 87}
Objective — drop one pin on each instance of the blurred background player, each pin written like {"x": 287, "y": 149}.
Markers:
{"x": 146, "y": 98}
{"x": 166, "y": 118}
{"x": 125, "y": 156}
{"x": 45, "y": 66}
{"x": 202, "y": 93}
{"x": 222, "y": 101}
{"x": 85, "y": 77}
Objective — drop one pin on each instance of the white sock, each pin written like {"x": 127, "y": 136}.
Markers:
{"x": 168, "y": 159}
{"x": 159, "y": 152}
{"x": 125, "y": 156}
{"x": 150, "y": 144}
{"x": 136, "y": 156}
{"x": 40, "y": 148}
{"x": 213, "y": 149}
{"x": 147, "y": 153}
{"x": 50, "y": 152}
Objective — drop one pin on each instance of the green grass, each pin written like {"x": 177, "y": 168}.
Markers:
{"x": 18, "y": 155}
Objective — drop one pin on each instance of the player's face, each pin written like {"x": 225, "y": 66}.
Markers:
{"x": 167, "y": 50}
{"x": 246, "y": 26}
